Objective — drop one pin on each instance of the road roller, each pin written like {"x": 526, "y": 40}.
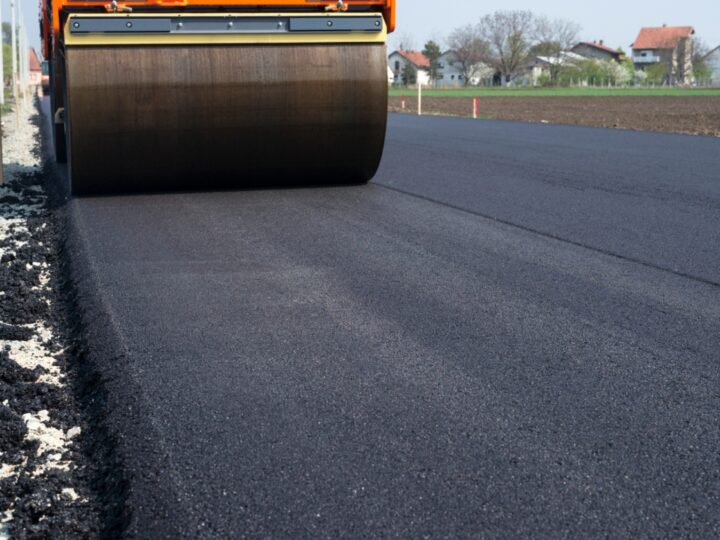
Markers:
{"x": 160, "y": 95}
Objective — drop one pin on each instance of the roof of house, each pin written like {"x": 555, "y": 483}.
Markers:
{"x": 416, "y": 58}
{"x": 33, "y": 60}
{"x": 601, "y": 46}
{"x": 563, "y": 58}
{"x": 664, "y": 37}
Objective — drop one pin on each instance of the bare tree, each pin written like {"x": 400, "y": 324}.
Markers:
{"x": 468, "y": 49}
{"x": 404, "y": 41}
{"x": 508, "y": 35}
{"x": 552, "y": 38}
{"x": 700, "y": 68}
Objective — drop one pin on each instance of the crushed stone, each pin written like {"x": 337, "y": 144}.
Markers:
{"x": 44, "y": 478}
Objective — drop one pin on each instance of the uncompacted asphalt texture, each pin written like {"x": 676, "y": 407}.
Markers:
{"x": 514, "y": 330}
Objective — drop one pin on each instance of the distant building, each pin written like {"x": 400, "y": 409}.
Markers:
{"x": 449, "y": 71}
{"x": 541, "y": 66}
{"x": 35, "y": 67}
{"x": 400, "y": 59}
{"x": 670, "y": 46}
{"x": 597, "y": 50}
{"x": 712, "y": 61}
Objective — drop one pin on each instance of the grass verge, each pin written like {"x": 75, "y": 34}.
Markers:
{"x": 558, "y": 92}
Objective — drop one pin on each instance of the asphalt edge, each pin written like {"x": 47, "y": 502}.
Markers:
{"x": 123, "y": 445}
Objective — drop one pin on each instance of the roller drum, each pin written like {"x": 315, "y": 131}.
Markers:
{"x": 148, "y": 118}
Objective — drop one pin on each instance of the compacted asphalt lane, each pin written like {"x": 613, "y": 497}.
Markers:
{"x": 513, "y": 331}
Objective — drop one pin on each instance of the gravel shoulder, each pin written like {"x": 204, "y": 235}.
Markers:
{"x": 45, "y": 475}
{"x": 693, "y": 115}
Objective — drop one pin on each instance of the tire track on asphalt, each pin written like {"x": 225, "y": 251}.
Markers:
{"x": 555, "y": 237}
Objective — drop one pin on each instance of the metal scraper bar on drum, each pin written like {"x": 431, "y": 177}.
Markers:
{"x": 224, "y": 25}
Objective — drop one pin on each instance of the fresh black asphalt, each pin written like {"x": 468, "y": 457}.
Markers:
{"x": 514, "y": 331}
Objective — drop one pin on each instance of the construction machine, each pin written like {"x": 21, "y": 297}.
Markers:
{"x": 202, "y": 94}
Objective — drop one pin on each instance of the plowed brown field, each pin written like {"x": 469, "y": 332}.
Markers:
{"x": 696, "y": 115}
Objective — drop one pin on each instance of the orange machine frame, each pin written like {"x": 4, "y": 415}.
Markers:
{"x": 51, "y": 23}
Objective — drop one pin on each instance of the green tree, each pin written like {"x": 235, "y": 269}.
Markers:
{"x": 433, "y": 53}
{"x": 700, "y": 68}
{"x": 594, "y": 72}
{"x": 7, "y": 66}
{"x": 627, "y": 64}
{"x": 543, "y": 49}
{"x": 7, "y": 55}
{"x": 656, "y": 73}
{"x": 408, "y": 74}
{"x": 702, "y": 71}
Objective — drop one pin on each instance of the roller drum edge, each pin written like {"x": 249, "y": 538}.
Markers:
{"x": 56, "y": 94}
{"x": 151, "y": 118}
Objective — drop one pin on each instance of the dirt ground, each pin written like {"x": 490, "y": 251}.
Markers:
{"x": 695, "y": 115}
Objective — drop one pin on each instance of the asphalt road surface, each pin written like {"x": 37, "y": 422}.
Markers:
{"x": 513, "y": 331}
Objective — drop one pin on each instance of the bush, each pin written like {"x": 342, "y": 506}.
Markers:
{"x": 596, "y": 73}
{"x": 545, "y": 81}
{"x": 656, "y": 74}
{"x": 409, "y": 75}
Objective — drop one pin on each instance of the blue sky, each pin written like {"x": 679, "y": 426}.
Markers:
{"x": 30, "y": 11}
{"x": 615, "y": 21}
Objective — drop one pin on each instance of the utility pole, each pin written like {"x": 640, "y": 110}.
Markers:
{"x": 2, "y": 67}
{"x": 2, "y": 96}
{"x": 14, "y": 61}
{"x": 22, "y": 43}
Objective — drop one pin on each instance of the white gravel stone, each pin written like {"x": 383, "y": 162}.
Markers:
{"x": 5, "y": 519}
{"x": 50, "y": 438}
{"x": 7, "y": 470}
{"x": 71, "y": 494}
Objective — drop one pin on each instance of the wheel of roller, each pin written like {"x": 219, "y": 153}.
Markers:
{"x": 148, "y": 118}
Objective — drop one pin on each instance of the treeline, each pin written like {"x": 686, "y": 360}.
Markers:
{"x": 501, "y": 46}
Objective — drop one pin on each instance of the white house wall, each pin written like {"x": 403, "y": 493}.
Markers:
{"x": 713, "y": 63}
{"x": 452, "y": 75}
{"x": 423, "y": 77}
{"x": 449, "y": 74}
{"x": 397, "y": 63}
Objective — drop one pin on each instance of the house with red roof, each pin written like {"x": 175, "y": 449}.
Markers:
{"x": 409, "y": 67}
{"x": 670, "y": 46}
{"x": 35, "y": 70}
{"x": 597, "y": 50}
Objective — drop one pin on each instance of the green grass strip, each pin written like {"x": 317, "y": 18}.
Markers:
{"x": 557, "y": 92}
